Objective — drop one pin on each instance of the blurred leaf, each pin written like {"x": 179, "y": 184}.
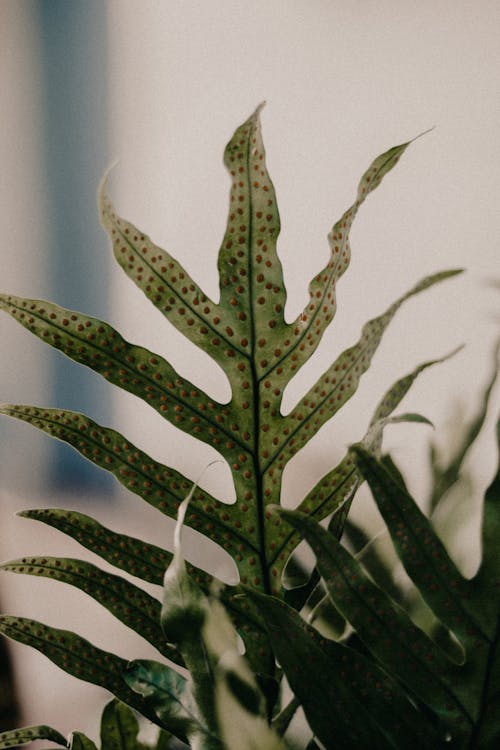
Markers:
{"x": 166, "y": 693}
{"x": 79, "y": 741}
{"x": 119, "y": 727}
{"x": 384, "y": 628}
{"x": 446, "y": 471}
{"x": 348, "y": 701}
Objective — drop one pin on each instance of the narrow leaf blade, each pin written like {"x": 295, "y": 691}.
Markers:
{"x": 422, "y": 553}
{"x": 97, "y": 345}
{"x": 309, "y": 327}
{"x": 334, "y": 492}
{"x": 135, "y": 556}
{"x": 348, "y": 700}
{"x": 25, "y": 735}
{"x": 402, "y": 648}
{"x": 165, "y": 282}
{"x": 159, "y": 485}
{"x": 340, "y": 381}
{"x": 129, "y": 604}
{"x": 76, "y": 656}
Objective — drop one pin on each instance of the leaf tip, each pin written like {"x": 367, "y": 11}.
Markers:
{"x": 102, "y": 194}
{"x": 259, "y": 108}
{"x": 421, "y": 135}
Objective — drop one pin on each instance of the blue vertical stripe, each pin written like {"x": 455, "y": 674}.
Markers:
{"x": 74, "y": 133}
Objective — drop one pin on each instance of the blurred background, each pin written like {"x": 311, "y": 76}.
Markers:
{"x": 158, "y": 86}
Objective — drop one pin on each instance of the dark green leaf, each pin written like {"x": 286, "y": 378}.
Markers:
{"x": 386, "y": 630}
{"x": 422, "y": 553}
{"x": 160, "y": 486}
{"x": 96, "y": 344}
{"x": 348, "y": 700}
{"x": 79, "y": 741}
{"x": 119, "y": 727}
{"x": 446, "y": 474}
{"x": 135, "y": 556}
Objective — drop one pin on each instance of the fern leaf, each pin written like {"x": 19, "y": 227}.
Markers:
{"x": 348, "y": 700}
{"x": 25, "y": 735}
{"x": 76, "y": 656}
{"x": 247, "y": 334}
{"x": 128, "y": 603}
{"x": 383, "y": 626}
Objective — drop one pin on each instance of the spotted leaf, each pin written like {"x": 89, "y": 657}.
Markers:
{"x": 76, "y": 656}
{"x": 141, "y": 559}
{"x": 96, "y": 344}
{"x": 25, "y": 735}
{"x": 128, "y": 603}
{"x": 339, "y": 382}
{"x": 149, "y": 562}
{"x": 334, "y": 492}
{"x": 119, "y": 727}
{"x": 247, "y": 334}
{"x": 309, "y": 326}
{"x": 160, "y": 486}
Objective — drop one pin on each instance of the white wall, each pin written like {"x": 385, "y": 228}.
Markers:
{"x": 343, "y": 82}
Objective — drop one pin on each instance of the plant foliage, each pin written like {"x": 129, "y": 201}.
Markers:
{"x": 353, "y": 695}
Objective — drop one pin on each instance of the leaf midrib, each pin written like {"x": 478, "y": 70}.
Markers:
{"x": 256, "y": 400}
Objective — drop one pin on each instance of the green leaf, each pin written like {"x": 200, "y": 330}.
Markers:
{"x": 119, "y": 727}
{"x": 160, "y": 486}
{"x": 164, "y": 281}
{"x": 421, "y": 552}
{"x": 447, "y": 472}
{"x": 128, "y": 603}
{"x": 76, "y": 656}
{"x": 17, "y": 737}
{"x": 471, "y": 608}
{"x": 334, "y": 492}
{"x": 340, "y": 381}
{"x": 96, "y": 344}
{"x": 79, "y": 741}
{"x": 246, "y": 333}
{"x": 166, "y": 693}
{"x": 348, "y": 700}
{"x": 135, "y": 556}
{"x": 385, "y": 629}
{"x": 306, "y": 331}
{"x": 148, "y": 562}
